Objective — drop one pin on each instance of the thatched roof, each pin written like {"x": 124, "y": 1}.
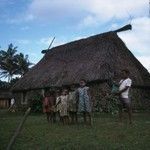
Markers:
{"x": 93, "y": 58}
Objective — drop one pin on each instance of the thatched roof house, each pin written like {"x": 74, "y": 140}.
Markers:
{"x": 5, "y": 97}
{"x": 95, "y": 58}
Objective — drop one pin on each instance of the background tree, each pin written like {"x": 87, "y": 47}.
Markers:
{"x": 8, "y": 64}
{"x": 12, "y": 63}
{"x": 23, "y": 63}
{"x": 4, "y": 84}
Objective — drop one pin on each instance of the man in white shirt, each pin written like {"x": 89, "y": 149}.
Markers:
{"x": 124, "y": 88}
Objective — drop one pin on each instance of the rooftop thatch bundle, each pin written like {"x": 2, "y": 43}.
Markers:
{"x": 95, "y": 58}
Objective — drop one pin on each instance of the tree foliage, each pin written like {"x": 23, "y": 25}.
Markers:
{"x": 12, "y": 63}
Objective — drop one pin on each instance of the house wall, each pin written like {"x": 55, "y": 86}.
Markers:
{"x": 4, "y": 103}
{"x": 24, "y": 99}
{"x": 5, "y": 97}
{"x": 140, "y": 97}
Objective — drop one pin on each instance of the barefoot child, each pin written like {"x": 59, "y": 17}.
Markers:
{"x": 115, "y": 85}
{"x": 58, "y": 94}
{"x": 64, "y": 107}
{"x": 72, "y": 102}
{"x": 46, "y": 105}
{"x": 84, "y": 102}
{"x": 52, "y": 102}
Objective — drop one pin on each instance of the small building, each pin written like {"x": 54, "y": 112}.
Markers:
{"x": 5, "y": 98}
{"x": 96, "y": 59}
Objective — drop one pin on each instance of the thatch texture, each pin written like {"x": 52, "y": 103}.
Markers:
{"x": 93, "y": 58}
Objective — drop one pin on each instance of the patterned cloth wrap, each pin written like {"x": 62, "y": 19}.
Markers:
{"x": 84, "y": 100}
{"x": 63, "y": 106}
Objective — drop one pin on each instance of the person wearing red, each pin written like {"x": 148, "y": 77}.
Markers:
{"x": 49, "y": 105}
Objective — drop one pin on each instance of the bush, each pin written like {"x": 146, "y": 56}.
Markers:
{"x": 36, "y": 104}
{"x": 112, "y": 105}
{"x": 108, "y": 104}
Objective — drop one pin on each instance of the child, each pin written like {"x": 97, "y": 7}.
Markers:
{"x": 84, "y": 102}
{"x": 46, "y": 105}
{"x": 115, "y": 85}
{"x": 58, "y": 94}
{"x": 52, "y": 101}
{"x": 12, "y": 107}
{"x": 64, "y": 107}
{"x": 72, "y": 102}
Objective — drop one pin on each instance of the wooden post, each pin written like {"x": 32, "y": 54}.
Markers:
{"x": 18, "y": 129}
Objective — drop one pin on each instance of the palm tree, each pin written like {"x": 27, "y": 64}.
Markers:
{"x": 13, "y": 64}
{"x": 8, "y": 62}
{"x": 23, "y": 64}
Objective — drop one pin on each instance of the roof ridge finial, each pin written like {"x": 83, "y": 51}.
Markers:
{"x": 124, "y": 28}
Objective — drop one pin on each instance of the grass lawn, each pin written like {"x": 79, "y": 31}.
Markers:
{"x": 106, "y": 133}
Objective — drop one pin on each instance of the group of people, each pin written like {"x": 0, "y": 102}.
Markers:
{"x": 66, "y": 104}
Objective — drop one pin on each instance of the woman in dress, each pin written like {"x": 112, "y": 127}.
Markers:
{"x": 84, "y": 102}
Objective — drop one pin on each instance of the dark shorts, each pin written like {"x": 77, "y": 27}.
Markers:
{"x": 124, "y": 102}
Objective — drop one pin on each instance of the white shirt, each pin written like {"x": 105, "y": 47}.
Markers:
{"x": 12, "y": 102}
{"x": 123, "y": 84}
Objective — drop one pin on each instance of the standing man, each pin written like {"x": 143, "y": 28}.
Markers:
{"x": 124, "y": 88}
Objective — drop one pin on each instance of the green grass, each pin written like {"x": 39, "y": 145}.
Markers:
{"x": 106, "y": 133}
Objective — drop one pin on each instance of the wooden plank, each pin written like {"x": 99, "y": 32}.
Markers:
{"x": 18, "y": 129}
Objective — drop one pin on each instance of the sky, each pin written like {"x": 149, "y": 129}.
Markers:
{"x": 32, "y": 24}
